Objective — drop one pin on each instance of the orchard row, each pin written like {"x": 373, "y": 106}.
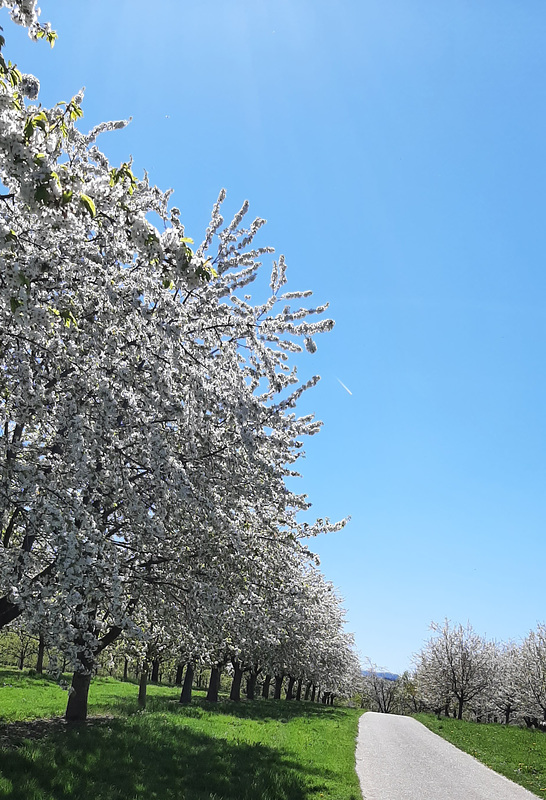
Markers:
{"x": 147, "y": 423}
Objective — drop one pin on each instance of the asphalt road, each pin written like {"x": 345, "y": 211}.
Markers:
{"x": 397, "y": 758}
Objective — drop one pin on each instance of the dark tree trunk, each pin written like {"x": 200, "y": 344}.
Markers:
{"x": 308, "y": 690}
{"x": 125, "y": 669}
{"x": 251, "y": 685}
{"x": 318, "y": 694}
{"x": 265, "y": 687}
{"x": 76, "y": 708}
{"x": 179, "y": 673}
{"x": 460, "y": 708}
{"x": 332, "y": 699}
{"x": 278, "y": 686}
{"x": 235, "y": 693}
{"x": 185, "y": 695}
{"x": 325, "y": 696}
{"x": 40, "y": 658}
{"x": 290, "y": 687}
{"x": 142, "y": 686}
{"x": 313, "y": 693}
{"x": 155, "y": 671}
{"x": 22, "y": 654}
{"x": 214, "y": 685}
{"x": 298, "y": 690}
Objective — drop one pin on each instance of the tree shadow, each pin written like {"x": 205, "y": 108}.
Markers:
{"x": 266, "y": 710}
{"x": 153, "y": 758}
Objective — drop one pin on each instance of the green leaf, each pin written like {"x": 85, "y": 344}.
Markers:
{"x": 28, "y": 130}
{"x": 11, "y": 236}
{"x": 67, "y": 197}
{"x": 186, "y": 239}
{"x": 68, "y": 318}
{"x": 15, "y": 303}
{"x": 75, "y": 110}
{"x": 41, "y": 194}
{"x": 88, "y": 204}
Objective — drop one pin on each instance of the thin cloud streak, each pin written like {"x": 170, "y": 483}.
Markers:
{"x": 346, "y": 389}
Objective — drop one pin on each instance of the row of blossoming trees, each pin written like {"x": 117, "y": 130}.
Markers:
{"x": 463, "y": 674}
{"x": 147, "y": 423}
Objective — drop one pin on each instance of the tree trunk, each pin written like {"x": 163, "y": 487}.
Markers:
{"x": 125, "y": 669}
{"x": 40, "y": 658}
{"x": 179, "y": 673}
{"x": 318, "y": 694}
{"x": 265, "y": 687}
{"x": 76, "y": 708}
{"x": 313, "y": 693}
{"x": 143, "y": 685}
{"x": 298, "y": 690}
{"x": 290, "y": 687}
{"x": 308, "y": 690}
{"x": 155, "y": 671}
{"x": 278, "y": 686}
{"x": 251, "y": 685}
{"x": 235, "y": 693}
{"x": 460, "y": 708}
{"x": 185, "y": 695}
{"x": 214, "y": 685}
{"x": 22, "y": 654}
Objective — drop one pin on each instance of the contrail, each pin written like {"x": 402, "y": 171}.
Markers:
{"x": 347, "y": 390}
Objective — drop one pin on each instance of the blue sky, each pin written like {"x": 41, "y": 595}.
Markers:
{"x": 397, "y": 150}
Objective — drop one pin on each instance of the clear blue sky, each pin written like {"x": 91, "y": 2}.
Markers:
{"x": 397, "y": 150}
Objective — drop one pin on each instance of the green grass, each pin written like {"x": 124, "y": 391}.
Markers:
{"x": 264, "y": 750}
{"x": 25, "y": 697}
{"x": 517, "y": 753}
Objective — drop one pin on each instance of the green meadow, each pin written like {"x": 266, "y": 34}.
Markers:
{"x": 260, "y": 750}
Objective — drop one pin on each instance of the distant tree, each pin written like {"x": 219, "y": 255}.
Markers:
{"x": 456, "y": 665}
{"x": 506, "y": 696}
{"x": 531, "y": 676}
{"x": 379, "y": 693}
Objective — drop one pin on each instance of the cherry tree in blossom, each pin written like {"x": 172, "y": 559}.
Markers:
{"x": 147, "y": 402}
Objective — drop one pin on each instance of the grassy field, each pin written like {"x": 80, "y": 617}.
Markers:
{"x": 517, "y": 753}
{"x": 264, "y": 750}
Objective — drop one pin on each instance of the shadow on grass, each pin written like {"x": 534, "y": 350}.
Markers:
{"x": 153, "y": 758}
{"x": 266, "y": 710}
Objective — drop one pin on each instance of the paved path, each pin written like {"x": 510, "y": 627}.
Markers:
{"x": 397, "y": 758}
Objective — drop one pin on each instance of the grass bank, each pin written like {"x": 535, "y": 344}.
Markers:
{"x": 517, "y": 753}
{"x": 264, "y": 750}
